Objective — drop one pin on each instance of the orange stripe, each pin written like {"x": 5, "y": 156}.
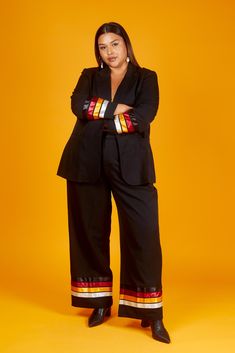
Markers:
{"x": 140, "y": 300}
{"x": 97, "y": 108}
{"x": 123, "y": 123}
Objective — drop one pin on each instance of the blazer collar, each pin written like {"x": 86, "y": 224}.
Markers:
{"x": 104, "y": 80}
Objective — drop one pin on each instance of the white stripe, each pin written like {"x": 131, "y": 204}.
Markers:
{"x": 140, "y": 305}
{"x": 103, "y": 108}
{"x": 117, "y": 124}
{"x": 92, "y": 295}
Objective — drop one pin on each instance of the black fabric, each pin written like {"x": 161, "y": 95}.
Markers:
{"x": 136, "y": 313}
{"x": 81, "y": 157}
{"x": 89, "y": 215}
{"x": 91, "y": 302}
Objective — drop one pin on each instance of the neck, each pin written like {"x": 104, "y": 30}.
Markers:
{"x": 119, "y": 70}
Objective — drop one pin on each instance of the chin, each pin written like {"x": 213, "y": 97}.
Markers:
{"x": 116, "y": 64}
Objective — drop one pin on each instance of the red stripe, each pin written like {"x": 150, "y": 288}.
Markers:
{"x": 91, "y": 284}
{"x": 128, "y": 122}
{"x": 141, "y": 294}
{"x": 91, "y": 108}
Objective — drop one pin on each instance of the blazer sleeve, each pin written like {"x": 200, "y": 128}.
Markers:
{"x": 90, "y": 108}
{"x": 143, "y": 112}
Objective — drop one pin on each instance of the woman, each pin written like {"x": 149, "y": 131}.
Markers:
{"x": 109, "y": 153}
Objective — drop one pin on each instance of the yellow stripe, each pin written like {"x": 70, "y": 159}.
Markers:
{"x": 140, "y": 300}
{"x": 97, "y": 108}
{"x": 123, "y": 123}
{"x": 91, "y": 289}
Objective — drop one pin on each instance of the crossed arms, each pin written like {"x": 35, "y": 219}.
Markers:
{"x": 117, "y": 116}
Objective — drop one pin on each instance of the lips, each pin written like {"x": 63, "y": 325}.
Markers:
{"x": 112, "y": 58}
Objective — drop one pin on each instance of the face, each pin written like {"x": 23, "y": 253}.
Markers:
{"x": 112, "y": 49}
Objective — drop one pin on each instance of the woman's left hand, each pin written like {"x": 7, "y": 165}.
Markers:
{"x": 122, "y": 108}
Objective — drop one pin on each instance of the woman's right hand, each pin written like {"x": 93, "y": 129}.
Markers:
{"x": 121, "y": 108}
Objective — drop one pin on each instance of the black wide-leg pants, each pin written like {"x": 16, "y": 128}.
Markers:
{"x": 89, "y": 220}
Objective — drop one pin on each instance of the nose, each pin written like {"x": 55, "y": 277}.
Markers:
{"x": 109, "y": 50}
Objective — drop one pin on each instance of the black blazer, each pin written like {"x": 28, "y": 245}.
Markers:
{"x": 81, "y": 157}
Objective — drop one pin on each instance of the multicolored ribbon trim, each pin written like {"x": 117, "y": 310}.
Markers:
{"x": 125, "y": 122}
{"x": 91, "y": 289}
{"x": 138, "y": 299}
{"x": 95, "y": 108}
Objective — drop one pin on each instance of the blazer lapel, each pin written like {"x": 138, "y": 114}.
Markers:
{"x": 126, "y": 85}
{"x": 102, "y": 83}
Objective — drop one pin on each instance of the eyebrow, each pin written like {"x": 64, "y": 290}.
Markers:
{"x": 110, "y": 42}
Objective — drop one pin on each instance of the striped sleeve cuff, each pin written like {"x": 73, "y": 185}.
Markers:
{"x": 98, "y": 108}
{"x": 125, "y": 123}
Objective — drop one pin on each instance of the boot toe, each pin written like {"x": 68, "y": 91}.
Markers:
{"x": 159, "y": 332}
{"x": 98, "y": 315}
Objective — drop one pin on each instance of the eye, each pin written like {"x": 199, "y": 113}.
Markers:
{"x": 102, "y": 48}
{"x": 115, "y": 44}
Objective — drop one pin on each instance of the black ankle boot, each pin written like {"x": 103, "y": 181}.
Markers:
{"x": 98, "y": 315}
{"x": 159, "y": 332}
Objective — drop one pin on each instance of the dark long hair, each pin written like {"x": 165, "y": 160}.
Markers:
{"x": 116, "y": 28}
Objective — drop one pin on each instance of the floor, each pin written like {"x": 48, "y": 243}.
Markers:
{"x": 38, "y": 318}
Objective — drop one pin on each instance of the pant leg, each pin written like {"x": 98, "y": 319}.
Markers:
{"x": 141, "y": 256}
{"x": 89, "y": 220}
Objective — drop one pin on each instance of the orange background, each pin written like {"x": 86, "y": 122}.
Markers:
{"x": 190, "y": 44}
